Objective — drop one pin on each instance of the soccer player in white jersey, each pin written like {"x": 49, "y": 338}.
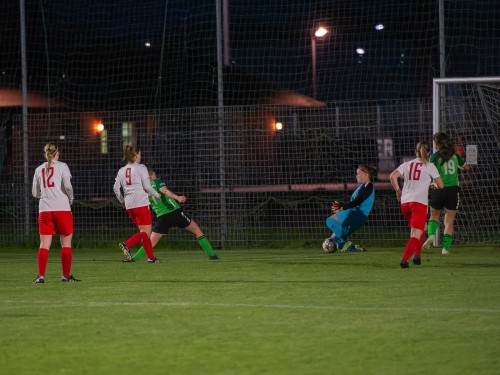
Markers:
{"x": 133, "y": 179}
{"x": 52, "y": 185}
{"x": 418, "y": 175}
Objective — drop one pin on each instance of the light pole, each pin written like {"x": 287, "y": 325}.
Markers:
{"x": 318, "y": 33}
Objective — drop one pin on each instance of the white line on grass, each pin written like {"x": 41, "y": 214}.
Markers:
{"x": 249, "y": 305}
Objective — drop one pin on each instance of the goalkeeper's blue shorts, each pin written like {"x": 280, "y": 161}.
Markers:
{"x": 348, "y": 222}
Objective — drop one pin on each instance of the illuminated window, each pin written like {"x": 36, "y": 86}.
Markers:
{"x": 128, "y": 133}
{"x": 104, "y": 141}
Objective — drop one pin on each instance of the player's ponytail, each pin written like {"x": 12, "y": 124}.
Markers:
{"x": 50, "y": 150}
{"x": 423, "y": 151}
{"x": 445, "y": 147}
{"x": 129, "y": 152}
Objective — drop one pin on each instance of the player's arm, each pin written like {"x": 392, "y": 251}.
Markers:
{"x": 462, "y": 164}
{"x": 146, "y": 184}
{"x": 439, "y": 182}
{"x": 68, "y": 188}
{"x": 363, "y": 195}
{"x": 394, "y": 178}
{"x": 35, "y": 188}
{"x": 171, "y": 194}
{"x": 66, "y": 180}
{"x": 117, "y": 190}
{"x": 436, "y": 177}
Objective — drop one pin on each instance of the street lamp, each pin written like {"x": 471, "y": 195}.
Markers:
{"x": 318, "y": 33}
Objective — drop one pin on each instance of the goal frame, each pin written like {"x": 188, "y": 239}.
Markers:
{"x": 438, "y": 91}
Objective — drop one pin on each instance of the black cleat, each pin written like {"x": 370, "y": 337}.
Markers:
{"x": 404, "y": 264}
{"x": 416, "y": 260}
{"x": 126, "y": 260}
{"x": 70, "y": 279}
{"x": 153, "y": 260}
{"x": 39, "y": 280}
{"x": 125, "y": 249}
{"x": 213, "y": 257}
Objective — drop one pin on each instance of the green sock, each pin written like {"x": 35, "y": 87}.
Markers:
{"x": 205, "y": 245}
{"x": 447, "y": 238}
{"x": 140, "y": 253}
{"x": 432, "y": 227}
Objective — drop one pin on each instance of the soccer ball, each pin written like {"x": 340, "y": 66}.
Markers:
{"x": 329, "y": 246}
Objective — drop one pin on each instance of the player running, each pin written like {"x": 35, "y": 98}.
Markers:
{"x": 170, "y": 214}
{"x": 448, "y": 163}
{"x": 134, "y": 181}
{"x": 418, "y": 174}
{"x": 52, "y": 185}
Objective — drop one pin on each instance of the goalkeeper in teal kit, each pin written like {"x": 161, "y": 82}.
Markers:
{"x": 350, "y": 216}
{"x": 170, "y": 214}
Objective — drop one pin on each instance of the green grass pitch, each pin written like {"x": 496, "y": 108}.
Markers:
{"x": 256, "y": 311}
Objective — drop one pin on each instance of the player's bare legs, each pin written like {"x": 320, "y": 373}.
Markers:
{"x": 155, "y": 238}
{"x": 194, "y": 228}
{"x": 66, "y": 240}
{"x": 449, "y": 221}
{"x": 45, "y": 241}
{"x": 145, "y": 228}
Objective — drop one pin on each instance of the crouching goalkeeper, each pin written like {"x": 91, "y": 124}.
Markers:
{"x": 350, "y": 216}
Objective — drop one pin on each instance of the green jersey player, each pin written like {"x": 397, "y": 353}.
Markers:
{"x": 169, "y": 214}
{"x": 448, "y": 163}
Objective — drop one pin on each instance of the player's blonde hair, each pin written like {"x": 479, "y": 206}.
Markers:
{"x": 423, "y": 151}
{"x": 129, "y": 152}
{"x": 50, "y": 150}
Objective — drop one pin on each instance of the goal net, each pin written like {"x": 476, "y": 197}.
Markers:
{"x": 468, "y": 109}
{"x": 247, "y": 182}
{"x": 149, "y": 72}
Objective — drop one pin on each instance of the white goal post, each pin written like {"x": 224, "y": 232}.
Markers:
{"x": 468, "y": 109}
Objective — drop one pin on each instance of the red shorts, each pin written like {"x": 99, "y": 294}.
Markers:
{"x": 140, "y": 215}
{"x": 49, "y": 221}
{"x": 415, "y": 213}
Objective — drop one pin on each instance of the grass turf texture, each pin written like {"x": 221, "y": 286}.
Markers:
{"x": 259, "y": 311}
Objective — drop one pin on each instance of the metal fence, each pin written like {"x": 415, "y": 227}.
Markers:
{"x": 247, "y": 183}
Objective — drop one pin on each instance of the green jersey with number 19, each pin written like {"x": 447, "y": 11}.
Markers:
{"x": 448, "y": 170}
{"x": 166, "y": 204}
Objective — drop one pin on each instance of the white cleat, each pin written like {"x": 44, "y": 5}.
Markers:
{"x": 444, "y": 251}
{"x": 427, "y": 244}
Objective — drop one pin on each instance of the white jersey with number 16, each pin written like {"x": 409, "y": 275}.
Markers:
{"x": 417, "y": 178}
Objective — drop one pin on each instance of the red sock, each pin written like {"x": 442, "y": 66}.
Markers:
{"x": 420, "y": 244}
{"x": 148, "y": 247}
{"x": 411, "y": 247}
{"x": 135, "y": 239}
{"x": 43, "y": 258}
{"x": 66, "y": 259}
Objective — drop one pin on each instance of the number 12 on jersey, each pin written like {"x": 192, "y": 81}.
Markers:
{"x": 47, "y": 175}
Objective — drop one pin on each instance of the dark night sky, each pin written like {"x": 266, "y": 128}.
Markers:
{"x": 96, "y": 53}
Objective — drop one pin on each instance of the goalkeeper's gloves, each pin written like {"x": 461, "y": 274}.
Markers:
{"x": 336, "y": 206}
